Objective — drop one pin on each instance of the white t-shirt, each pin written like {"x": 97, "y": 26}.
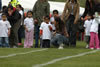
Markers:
{"x": 95, "y": 24}
{"x": 29, "y": 23}
{"x": 53, "y": 25}
{"x": 87, "y": 26}
{"x": 46, "y": 31}
{"x": 4, "y": 26}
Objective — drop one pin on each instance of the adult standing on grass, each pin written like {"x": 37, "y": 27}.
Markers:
{"x": 0, "y": 4}
{"x": 14, "y": 18}
{"x": 40, "y": 9}
{"x": 70, "y": 16}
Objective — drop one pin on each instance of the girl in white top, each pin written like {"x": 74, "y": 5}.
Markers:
{"x": 20, "y": 31}
{"x": 94, "y": 32}
{"x": 87, "y": 26}
{"x": 29, "y": 28}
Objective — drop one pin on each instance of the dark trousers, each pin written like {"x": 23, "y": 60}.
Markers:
{"x": 0, "y": 4}
{"x": 71, "y": 28}
{"x": 13, "y": 39}
{"x": 36, "y": 35}
{"x": 46, "y": 43}
{"x": 21, "y": 34}
{"x": 99, "y": 32}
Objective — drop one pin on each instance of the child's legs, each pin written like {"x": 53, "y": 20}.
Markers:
{"x": 92, "y": 34}
{"x": 6, "y": 41}
{"x": 30, "y": 43}
{"x": 43, "y": 44}
{"x": 47, "y": 43}
{"x": 26, "y": 39}
{"x": 87, "y": 39}
{"x": 97, "y": 40}
{"x": 1, "y": 44}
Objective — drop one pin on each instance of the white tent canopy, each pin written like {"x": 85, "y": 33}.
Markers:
{"x": 28, "y": 5}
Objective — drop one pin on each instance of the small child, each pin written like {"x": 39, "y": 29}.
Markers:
{"x": 29, "y": 28}
{"x": 4, "y": 31}
{"x": 45, "y": 32}
{"x": 94, "y": 32}
{"x": 87, "y": 26}
{"x": 52, "y": 20}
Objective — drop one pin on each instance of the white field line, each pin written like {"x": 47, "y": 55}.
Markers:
{"x": 12, "y": 55}
{"x": 64, "y": 58}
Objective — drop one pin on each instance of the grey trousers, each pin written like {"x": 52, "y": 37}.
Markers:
{"x": 59, "y": 39}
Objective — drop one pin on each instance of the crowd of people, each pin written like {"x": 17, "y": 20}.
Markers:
{"x": 57, "y": 30}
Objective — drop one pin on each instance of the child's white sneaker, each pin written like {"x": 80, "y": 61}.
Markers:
{"x": 87, "y": 46}
{"x": 98, "y": 48}
{"x": 91, "y": 48}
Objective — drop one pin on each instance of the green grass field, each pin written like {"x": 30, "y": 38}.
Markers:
{"x": 22, "y": 57}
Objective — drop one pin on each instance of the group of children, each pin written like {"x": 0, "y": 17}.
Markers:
{"x": 46, "y": 29}
{"x": 91, "y": 31}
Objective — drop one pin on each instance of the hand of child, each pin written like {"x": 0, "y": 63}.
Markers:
{"x": 82, "y": 18}
{"x": 8, "y": 33}
{"x": 10, "y": 13}
{"x": 54, "y": 33}
{"x": 50, "y": 27}
{"x": 36, "y": 21}
{"x": 52, "y": 22}
{"x": 26, "y": 30}
{"x": 67, "y": 35}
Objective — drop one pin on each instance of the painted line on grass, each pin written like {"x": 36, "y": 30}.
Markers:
{"x": 64, "y": 58}
{"x": 16, "y": 54}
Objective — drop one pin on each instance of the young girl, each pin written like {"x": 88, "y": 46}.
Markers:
{"x": 87, "y": 26}
{"x": 20, "y": 31}
{"x": 29, "y": 27}
{"x": 94, "y": 32}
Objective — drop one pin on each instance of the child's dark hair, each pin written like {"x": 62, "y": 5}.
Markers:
{"x": 3, "y": 14}
{"x": 89, "y": 14}
{"x": 47, "y": 17}
{"x": 20, "y": 7}
{"x": 59, "y": 24}
{"x": 4, "y": 7}
{"x": 55, "y": 11}
{"x": 30, "y": 12}
{"x": 11, "y": 7}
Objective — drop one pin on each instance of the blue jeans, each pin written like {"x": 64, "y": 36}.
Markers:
{"x": 36, "y": 36}
{"x": 4, "y": 42}
{"x": 59, "y": 39}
